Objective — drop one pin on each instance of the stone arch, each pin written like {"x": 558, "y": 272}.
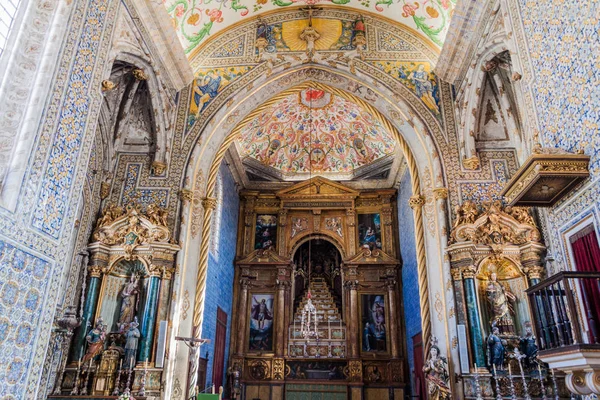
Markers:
{"x": 413, "y": 133}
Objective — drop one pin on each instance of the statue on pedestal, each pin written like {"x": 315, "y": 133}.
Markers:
{"x": 131, "y": 343}
{"x": 95, "y": 339}
{"x": 498, "y": 297}
{"x": 235, "y": 373}
{"x": 436, "y": 374}
{"x": 528, "y": 346}
{"x": 496, "y": 350}
{"x": 129, "y": 300}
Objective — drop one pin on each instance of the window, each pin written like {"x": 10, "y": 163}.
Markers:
{"x": 8, "y": 11}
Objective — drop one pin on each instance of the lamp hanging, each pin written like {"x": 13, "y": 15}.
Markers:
{"x": 309, "y": 321}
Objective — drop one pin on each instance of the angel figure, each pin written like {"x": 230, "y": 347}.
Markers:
{"x": 157, "y": 215}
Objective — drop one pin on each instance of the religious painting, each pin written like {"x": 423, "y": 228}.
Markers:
{"x": 208, "y": 84}
{"x": 266, "y": 232}
{"x": 373, "y": 323}
{"x": 334, "y": 224}
{"x": 261, "y": 323}
{"x": 369, "y": 231}
{"x": 316, "y": 370}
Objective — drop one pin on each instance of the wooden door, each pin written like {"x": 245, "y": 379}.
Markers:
{"x": 219, "y": 358}
{"x": 419, "y": 388}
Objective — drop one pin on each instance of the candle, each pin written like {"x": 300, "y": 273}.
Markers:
{"x": 146, "y": 365}
{"x": 121, "y": 364}
{"x": 509, "y": 371}
{"x": 540, "y": 370}
{"x": 475, "y": 365}
{"x": 494, "y": 367}
{"x": 552, "y": 373}
{"x": 131, "y": 364}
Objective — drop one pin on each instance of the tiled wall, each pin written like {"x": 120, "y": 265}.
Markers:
{"x": 564, "y": 43}
{"x": 219, "y": 284}
{"x": 410, "y": 286}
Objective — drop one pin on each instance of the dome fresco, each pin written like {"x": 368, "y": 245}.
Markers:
{"x": 315, "y": 131}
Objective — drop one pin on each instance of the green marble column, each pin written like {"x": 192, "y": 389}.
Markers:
{"x": 89, "y": 308}
{"x": 149, "y": 319}
{"x": 477, "y": 345}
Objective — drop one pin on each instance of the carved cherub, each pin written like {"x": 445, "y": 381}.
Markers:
{"x": 522, "y": 215}
{"x": 465, "y": 213}
{"x": 110, "y": 213}
{"x": 157, "y": 215}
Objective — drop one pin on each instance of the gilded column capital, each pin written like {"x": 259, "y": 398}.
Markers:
{"x": 468, "y": 272}
{"x": 416, "y": 201}
{"x": 155, "y": 270}
{"x": 456, "y": 274}
{"x": 535, "y": 272}
{"x": 209, "y": 203}
{"x": 440, "y": 193}
{"x": 282, "y": 285}
{"x": 351, "y": 285}
{"x": 186, "y": 195}
{"x": 245, "y": 283}
{"x": 95, "y": 271}
{"x": 158, "y": 168}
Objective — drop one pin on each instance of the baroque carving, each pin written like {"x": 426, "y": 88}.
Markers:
{"x": 494, "y": 226}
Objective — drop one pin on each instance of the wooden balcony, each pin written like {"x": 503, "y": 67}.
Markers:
{"x": 565, "y": 313}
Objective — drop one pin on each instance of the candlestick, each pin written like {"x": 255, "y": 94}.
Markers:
{"x": 118, "y": 380}
{"x": 525, "y": 388}
{"x": 554, "y": 385}
{"x": 477, "y": 384}
{"x": 84, "y": 390}
{"x": 75, "y": 390}
{"x": 498, "y": 395}
{"x": 512, "y": 385}
{"x": 142, "y": 391}
{"x": 542, "y": 383}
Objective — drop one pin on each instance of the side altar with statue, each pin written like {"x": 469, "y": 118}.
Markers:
{"x": 118, "y": 339}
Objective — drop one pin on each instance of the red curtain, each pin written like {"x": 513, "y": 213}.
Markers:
{"x": 587, "y": 259}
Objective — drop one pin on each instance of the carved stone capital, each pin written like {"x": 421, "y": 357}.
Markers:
{"x": 468, "y": 272}
{"x": 158, "y": 168}
{"x": 95, "y": 271}
{"x": 440, "y": 193}
{"x": 104, "y": 190}
{"x": 456, "y": 274}
{"x": 416, "y": 202}
{"x": 351, "y": 285}
{"x": 535, "y": 272}
{"x": 471, "y": 163}
{"x": 209, "y": 203}
{"x": 186, "y": 195}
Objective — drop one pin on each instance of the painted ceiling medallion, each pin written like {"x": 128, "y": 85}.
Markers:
{"x": 315, "y": 131}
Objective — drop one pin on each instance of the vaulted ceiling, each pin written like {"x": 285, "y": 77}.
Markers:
{"x": 312, "y": 131}
{"x": 196, "y": 21}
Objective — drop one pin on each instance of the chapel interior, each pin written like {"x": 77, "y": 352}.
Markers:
{"x": 299, "y": 199}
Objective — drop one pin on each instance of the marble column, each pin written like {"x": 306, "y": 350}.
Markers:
{"x": 393, "y": 325}
{"x": 535, "y": 275}
{"x": 475, "y": 332}
{"x": 243, "y": 306}
{"x": 281, "y": 328}
{"x": 89, "y": 309}
{"x": 149, "y": 319}
{"x": 352, "y": 324}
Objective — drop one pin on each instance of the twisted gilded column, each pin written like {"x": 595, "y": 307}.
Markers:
{"x": 209, "y": 204}
{"x": 416, "y": 202}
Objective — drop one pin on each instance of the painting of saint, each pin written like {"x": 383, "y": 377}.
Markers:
{"x": 266, "y": 232}
{"x": 374, "y": 338}
{"x": 424, "y": 87}
{"x": 369, "y": 231}
{"x": 261, "y": 322}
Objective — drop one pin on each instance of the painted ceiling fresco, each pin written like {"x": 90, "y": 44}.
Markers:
{"x": 196, "y": 20}
{"x": 314, "y": 131}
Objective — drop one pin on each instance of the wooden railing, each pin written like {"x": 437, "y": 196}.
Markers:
{"x": 562, "y": 306}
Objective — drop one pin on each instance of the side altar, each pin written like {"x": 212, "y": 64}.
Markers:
{"x": 118, "y": 346}
{"x": 317, "y": 298}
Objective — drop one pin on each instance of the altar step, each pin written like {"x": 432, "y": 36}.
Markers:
{"x": 331, "y": 342}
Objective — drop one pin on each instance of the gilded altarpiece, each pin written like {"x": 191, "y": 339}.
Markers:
{"x": 351, "y": 275}
{"x": 126, "y": 299}
{"x": 495, "y": 254}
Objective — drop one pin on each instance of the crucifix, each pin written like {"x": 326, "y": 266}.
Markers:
{"x": 193, "y": 344}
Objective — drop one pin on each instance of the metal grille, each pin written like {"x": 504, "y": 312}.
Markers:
{"x": 8, "y": 11}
